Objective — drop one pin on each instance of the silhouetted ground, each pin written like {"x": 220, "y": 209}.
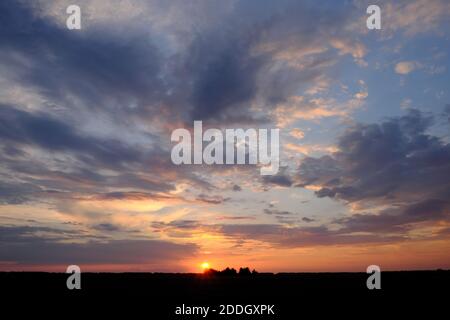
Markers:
{"x": 156, "y": 296}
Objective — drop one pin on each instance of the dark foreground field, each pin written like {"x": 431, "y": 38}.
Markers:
{"x": 157, "y": 296}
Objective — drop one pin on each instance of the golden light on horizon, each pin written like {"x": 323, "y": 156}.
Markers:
{"x": 205, "y": 266}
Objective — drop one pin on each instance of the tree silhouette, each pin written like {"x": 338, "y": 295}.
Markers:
{"x": 244, "y": 271}
{"x": 230, "y": 272}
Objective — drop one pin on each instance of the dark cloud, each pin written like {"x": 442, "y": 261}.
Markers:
{"x": 16, "y": 193}
{"x": 132, "y": 196}
{"x": 23, "y": 233}
{"x": 42, "y": 130}
{"x": 398, "y": 219}
{"x": 282, "y": 236}
{"x": 282, "y": 216}
{"x": 232, "y": 63}
{"x": 226, "y": 73}
{"x": 183, "y": 224}
{"x": 281, "y": 179}
{"x": 216, "y": 76}
{"x": 60, "y": 140}
{"x": 217, "y": 73}
{"x": 21, "y": 246}
{"x": 211, "y": 199}
{"x": 395, "y": 163}
{"x": 240, "y": 217}
{"x": 447, "y": 112}
{"x": 95, "y": 67}
{"x": 383, "y": 161}
{"x": 277, "y": 212}
{"x": 109, "y": 227}
{"x": 236, "y": 188}
{"x": 285, "y": 234}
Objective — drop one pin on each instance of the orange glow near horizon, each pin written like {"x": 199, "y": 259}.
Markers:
{"x": 205, "y": 266}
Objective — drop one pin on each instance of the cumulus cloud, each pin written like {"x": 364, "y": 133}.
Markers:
{"x": 281, "y": 179}
{"x": 405, "y": 67}
{"x": 395, "y": 163}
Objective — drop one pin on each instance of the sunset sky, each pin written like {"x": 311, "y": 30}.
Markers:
{"x": 86, "y": 117}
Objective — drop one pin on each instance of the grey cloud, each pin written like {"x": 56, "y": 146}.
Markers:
{"x": 42, "y": 130}
{"x": 277, "y": 212}
{"x": 236, "y": 188}
{"x": 109, "y": 227}
{"x": 216, "y": 74}
{"x": 23, "y": 234}
{"x": 397, "y": 219}
{"x": 211, "y": 199}
{"x": 93, "y": 66}
{"x": 15, "y": 193}
{"x": 446, "y": 112}
{"x": 19, "y": 246}
{"x": 279, "y": 235}
{"x": 395, "y": 163}
{"x": 281, "y": 179}
{"x": 383, "y": 161}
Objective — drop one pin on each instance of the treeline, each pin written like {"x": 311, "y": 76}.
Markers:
{"x": 231, "y": 272}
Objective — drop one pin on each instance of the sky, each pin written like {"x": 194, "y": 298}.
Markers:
{"x": 86, "y": 117}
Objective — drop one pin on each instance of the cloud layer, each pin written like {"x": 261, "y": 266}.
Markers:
{"x": 86, "y": 117}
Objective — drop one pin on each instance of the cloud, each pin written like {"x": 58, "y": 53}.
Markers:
{"x": 16, "y": 193}
{"x": 225, "y": 74}
{"x": 21, "y": 245}
{"x": 297, "y": 133}
{"x": 85, "y": 121}
{"x": 345, "y": 46}
{"x": 414, "y": 17}
{"x": 277, "y": 212}
{"x": 400, "y": 220}
{"x": 405, "y": 67}
{"x": 92, "y": 96}
{"x": 297, "y": 107}
{"x": 308, "y": 149}
{"x": 280, "y": 179}
{"x": 394, "y": 164}
{"x": 446, "y": 112}
{"x": 52, "y": 158}
{"x": 109, "y": 227}
{"x": 236, "y": 188}
{"x": 43, "y": 131}
{"x": 94, "y": 69}
{"x": 290, "y": 237}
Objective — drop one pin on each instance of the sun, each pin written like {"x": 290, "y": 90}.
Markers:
{"x": 205, "y": 266}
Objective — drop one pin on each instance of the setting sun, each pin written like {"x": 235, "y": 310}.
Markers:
{"x": 205, "y": 266}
